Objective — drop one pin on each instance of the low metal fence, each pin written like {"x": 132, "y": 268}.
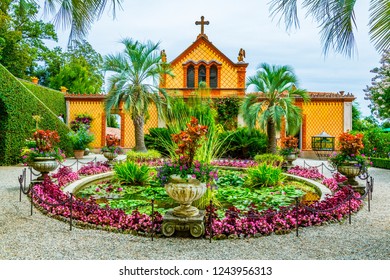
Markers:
{"x": 27, "y": 182}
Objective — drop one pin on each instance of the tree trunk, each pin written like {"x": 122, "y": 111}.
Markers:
{"x": 139, "y": 122}
{"x": 271, "y": 133}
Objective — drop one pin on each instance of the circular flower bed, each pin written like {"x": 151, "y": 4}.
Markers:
{"x": 252, "y": 222}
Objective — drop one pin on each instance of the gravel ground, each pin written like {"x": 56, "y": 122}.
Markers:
{"x": 38, "y": 237}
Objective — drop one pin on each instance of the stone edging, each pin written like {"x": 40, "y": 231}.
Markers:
{"x": 76, "y": 185}
{"x": 322, "y": 188}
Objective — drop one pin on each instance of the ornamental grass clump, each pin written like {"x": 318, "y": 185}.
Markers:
{"x": 270, "y": 159}
{"x": 264, "y": 175}
{"x": 184, "y": 165}
{"x": 131, "y": 173}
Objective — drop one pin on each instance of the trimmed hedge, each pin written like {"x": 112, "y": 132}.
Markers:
{"x": 17, "y": 106}
{"x": 381, "y": 162}
{"x": 53, "y": 99}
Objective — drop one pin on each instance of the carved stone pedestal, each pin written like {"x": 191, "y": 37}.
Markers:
{"x": 172, "y": 223}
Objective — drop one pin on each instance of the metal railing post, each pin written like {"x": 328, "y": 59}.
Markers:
{"x": 296, "y": 215}
{"x": 71, "y": 211}
{"x": 152, "y": 218}
{"x": 349, "y": 209}
{"x": 211, "y": 220}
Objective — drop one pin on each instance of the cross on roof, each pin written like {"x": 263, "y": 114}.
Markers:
{"x": 202, "y": 23}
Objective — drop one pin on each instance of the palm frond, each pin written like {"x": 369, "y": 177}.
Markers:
{"x": 380, "y": 24}
{"x": 288, "y": 10}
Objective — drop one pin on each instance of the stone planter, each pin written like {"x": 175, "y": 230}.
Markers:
{"x": 290, "y": 158}
{"x": 110, "y": 156}
{"x": 184, "y": 217}
{"x": 44, "y": 165}
{"x": 78, "y": 154}
{"x": 185, "y": 191}
{"x": 350, "y": 170}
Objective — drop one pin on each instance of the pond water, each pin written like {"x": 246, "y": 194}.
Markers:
{"x": 230, "y": 191}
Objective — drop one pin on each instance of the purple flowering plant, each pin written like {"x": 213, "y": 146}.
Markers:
{"x": 198, "y": 170}
{"x": 81, "y": 120}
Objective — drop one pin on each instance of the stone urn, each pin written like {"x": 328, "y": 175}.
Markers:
{"x": 44, "y": 165}
{"x": 110, "y": 156}
{"x": 290, "y": 158}
{"x": 350, "y": 169}
{"x": 185, "y": 191}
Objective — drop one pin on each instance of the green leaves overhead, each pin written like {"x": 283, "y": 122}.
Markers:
{"x": 337, "y": 22}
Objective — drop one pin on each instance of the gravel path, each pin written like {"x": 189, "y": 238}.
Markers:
{"x": 38, "y": 237}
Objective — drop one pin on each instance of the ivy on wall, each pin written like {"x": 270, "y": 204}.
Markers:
{"x": 227, "y": 108}
{"x": 17, "y": 106}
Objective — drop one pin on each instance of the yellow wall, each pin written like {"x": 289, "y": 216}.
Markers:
{"x": 129, "y": 141}
{"x": 96, "y": 110}
{"x": 322, "y": 116}
{"x": 203, "y": 52}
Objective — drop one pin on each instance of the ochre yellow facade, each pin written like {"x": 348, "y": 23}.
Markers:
{"x": 94, "y": 106}
{"x": 230, "y": 75}
{"x": 329, "y": 112}
{"x": 321, "y": 116}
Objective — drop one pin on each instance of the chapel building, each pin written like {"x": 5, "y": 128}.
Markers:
{"x": 202, "y": 61}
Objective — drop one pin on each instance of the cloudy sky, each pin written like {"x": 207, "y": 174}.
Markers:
{"x": 242, "y": 24}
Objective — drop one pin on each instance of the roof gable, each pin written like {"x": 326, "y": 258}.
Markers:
{"x": 200, "y": 41}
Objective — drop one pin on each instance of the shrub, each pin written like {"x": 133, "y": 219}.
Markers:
{"x": 131, "y": 173}
{"x": 158, "y": 139}
{"x": 80, "y": 139}
{"x": 244, "y": 143}
{"x": 381, "y": 162}
{"x": 270, "y": 159}
{"x": 17, "y": 105}
{"x": 227, "y": 108}
{"x": 264, "y": 176}
{"x": 376, "y": 143}
{"x": 143, "y": 156}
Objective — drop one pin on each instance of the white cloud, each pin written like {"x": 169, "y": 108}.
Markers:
{"x": 242, "y": 24}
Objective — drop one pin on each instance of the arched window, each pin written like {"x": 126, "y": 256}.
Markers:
{"x": 202, "y": 74}
{"x": 190, "y": 76}
{"x": 213, "y": 76}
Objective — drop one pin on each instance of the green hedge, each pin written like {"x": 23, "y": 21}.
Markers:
{"x": 381, "y": 162}
{"x": 53, "y": 99}
{"x": 17, "y": 106}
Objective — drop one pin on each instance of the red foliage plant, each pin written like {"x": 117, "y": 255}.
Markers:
{"x": 188, "y": 141}
{"x": 45, "y": 139}
{"x": 290, "y": 142}
{"x": 112, "y": 140}
{"x": 351, "y": 144}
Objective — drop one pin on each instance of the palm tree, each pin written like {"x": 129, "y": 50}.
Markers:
{"x": 277, "y": 86}
{"x": 134, "y": 82}
{"x": 337, "y": 21}
{"x": 79, "y": 15}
